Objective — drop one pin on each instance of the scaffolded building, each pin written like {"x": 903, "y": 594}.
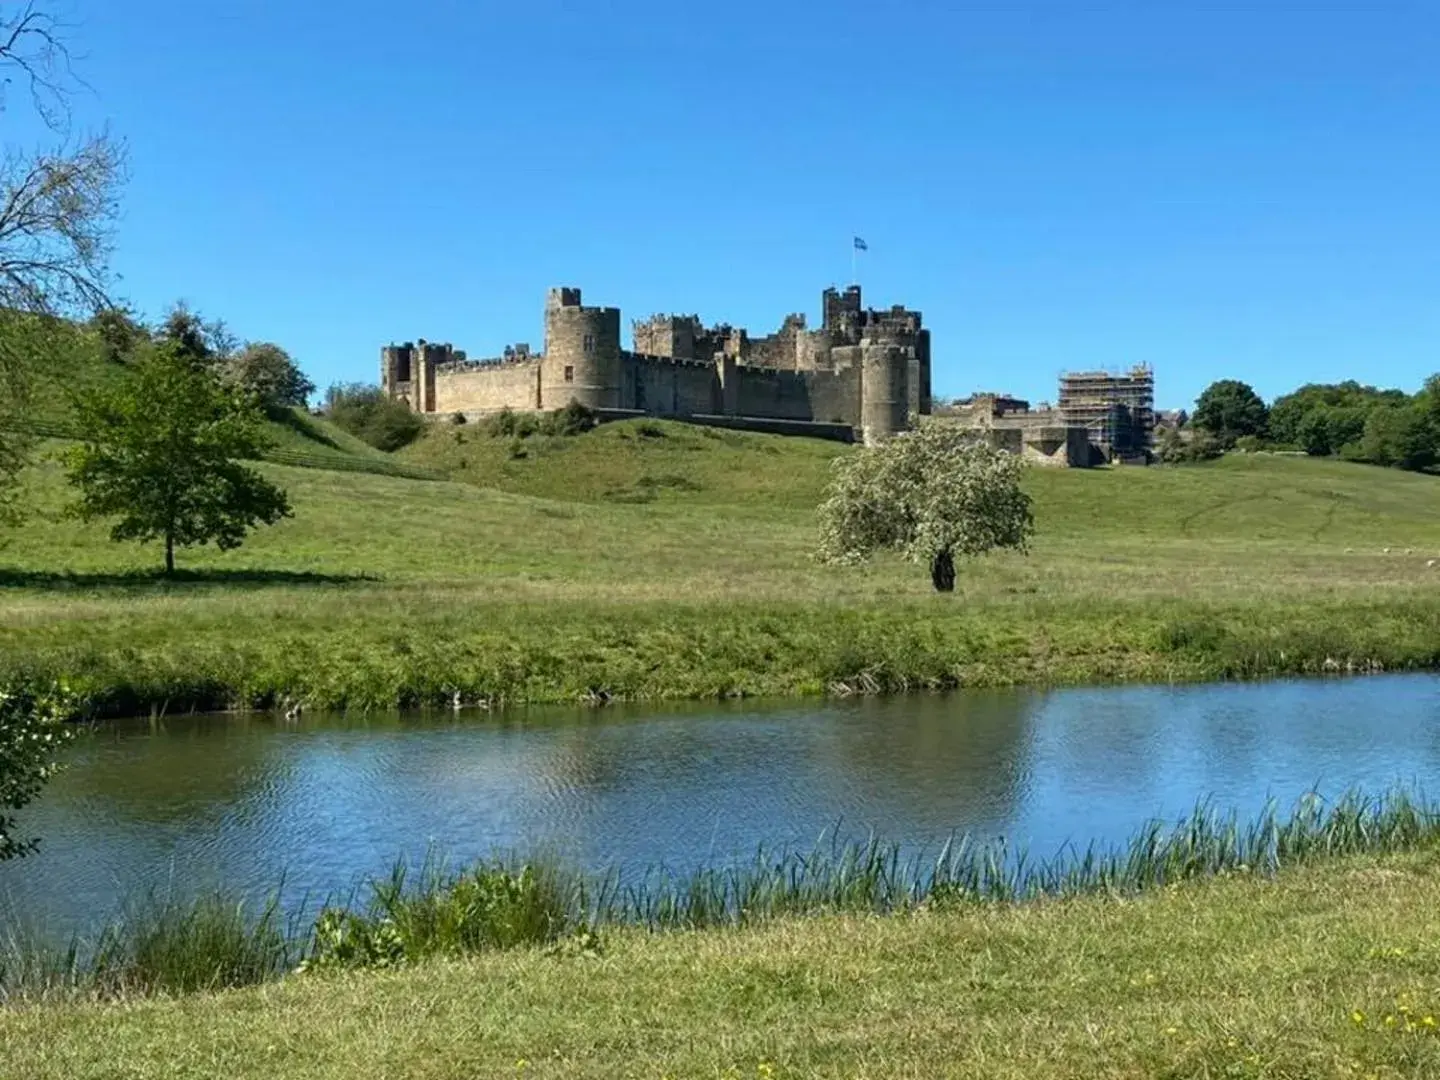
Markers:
{"x": 1117, "y": 409}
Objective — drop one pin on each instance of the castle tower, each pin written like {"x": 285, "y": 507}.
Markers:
{"x": 395, "y": 369}
{"x": 885, "y": 362}
{"x": 582, "y": 354}
{"x": 422, "y": 390}
{"x": 921, "y": 401}
{"x": 840, "y": 312}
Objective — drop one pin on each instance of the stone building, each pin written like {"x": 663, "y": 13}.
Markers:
{"x": 1042, "y": 436}
{"x": 864, "y": 372}
{"x": 1101, "y": 418}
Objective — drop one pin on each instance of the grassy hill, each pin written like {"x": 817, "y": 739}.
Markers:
{"x": 650, "y": 559}
{"x": 297, "y": 437}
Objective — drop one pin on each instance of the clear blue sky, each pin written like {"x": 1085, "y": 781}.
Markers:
{"x": 1247, "y": 191}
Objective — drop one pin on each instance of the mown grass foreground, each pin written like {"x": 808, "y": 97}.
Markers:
{"x": 1328, "y": 969}
{"x": 658, "y": 560}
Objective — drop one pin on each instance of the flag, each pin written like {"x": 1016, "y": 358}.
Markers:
{"x": 860, "y": 245}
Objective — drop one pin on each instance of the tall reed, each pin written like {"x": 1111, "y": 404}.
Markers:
{"x": 212, "y": 943}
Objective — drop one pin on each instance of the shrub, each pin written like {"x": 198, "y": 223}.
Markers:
{"x": 33, "y": 730}
{"x": 573, "y": 419}
{"x": 502, "y": 422}
{"x": 1174, "y": 449}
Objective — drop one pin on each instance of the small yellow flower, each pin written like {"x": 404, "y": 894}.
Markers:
{"x": 765, "y": 1069}
{"x": 1172, "y": 1031}
{"x": 1358, "y": 1017}
{"x": 1390, "y": 1021}
{"x": 521, "y": 1065}
{"x": 1428, "y": 1021}
{"x": 1231, "y": 1044}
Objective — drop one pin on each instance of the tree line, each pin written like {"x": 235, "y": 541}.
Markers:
{"x": 1347, "y": 420}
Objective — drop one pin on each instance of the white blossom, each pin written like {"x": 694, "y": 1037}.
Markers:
{"x": 933, "y": 494}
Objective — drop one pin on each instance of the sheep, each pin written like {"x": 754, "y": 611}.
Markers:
{"x": 1431, "y": 562}
{"x": 1384, "y": 551}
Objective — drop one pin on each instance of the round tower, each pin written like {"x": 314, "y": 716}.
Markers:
{"x": 582, "y": 354}
{"x": 884, "y": 388}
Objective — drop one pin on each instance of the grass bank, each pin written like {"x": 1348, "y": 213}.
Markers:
{"x": 647, "y": 560}
{"x": 1172, "y": 958}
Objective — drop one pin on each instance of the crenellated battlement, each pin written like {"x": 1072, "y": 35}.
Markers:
{"x": 864, "y": 367}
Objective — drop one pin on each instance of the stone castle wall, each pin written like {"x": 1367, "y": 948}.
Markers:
{"x": 489, "y": 388}
{"x": 869, "y": 370}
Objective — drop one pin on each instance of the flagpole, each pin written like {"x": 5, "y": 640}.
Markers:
{"x": 854, "y": 262}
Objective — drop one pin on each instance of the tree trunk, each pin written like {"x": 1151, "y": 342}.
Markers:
{"x": 942, "y": 571}
{"x": 170, "y": 555}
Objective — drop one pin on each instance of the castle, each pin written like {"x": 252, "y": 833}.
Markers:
{"x": 864, "y": 373}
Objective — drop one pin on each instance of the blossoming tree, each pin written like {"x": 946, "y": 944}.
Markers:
{"x": 934, "y": 494}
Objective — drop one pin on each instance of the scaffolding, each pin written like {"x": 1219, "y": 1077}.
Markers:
{"x": 1116, "y": 408}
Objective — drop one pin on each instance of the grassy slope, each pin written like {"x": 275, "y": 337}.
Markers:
{"x": 296, "y": 437}
{"x": 1238, "y": 977}
{"x": 678, "y": 565}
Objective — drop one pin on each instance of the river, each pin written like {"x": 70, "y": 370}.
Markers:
{"x": 244, "y": 802}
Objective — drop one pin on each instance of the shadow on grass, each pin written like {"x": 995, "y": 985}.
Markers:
{"x": 128, "y": 579}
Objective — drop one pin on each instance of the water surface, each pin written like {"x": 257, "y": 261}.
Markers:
{"x": 243, "y": 801}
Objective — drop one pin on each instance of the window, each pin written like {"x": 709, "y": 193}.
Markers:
{"x": 569, "y": 373}
{"x": 589, "y": 344}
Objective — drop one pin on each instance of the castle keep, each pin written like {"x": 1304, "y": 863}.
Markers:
{"x": 863, "y": 372}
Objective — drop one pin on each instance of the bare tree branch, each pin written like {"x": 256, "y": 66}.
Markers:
{"x": 57, "y": 212}
{"x": 34, "y": 50}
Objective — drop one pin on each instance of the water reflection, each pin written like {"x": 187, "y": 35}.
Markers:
{"x": 244, "y": 800}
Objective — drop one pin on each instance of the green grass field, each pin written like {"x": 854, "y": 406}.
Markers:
{"x": 1331, "y": 970}
{"x": 653, "y": 560}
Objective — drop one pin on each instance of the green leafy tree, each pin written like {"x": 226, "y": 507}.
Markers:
{"x": 267, "y": 371}
{"x": 934, "y": 494}
{"x": 1324, "y": 429}
{"x": 120, "y": 333}
{"x": 1428, "y": 401}
{"x": 203, "y": 342}
{"x": 1350, "y": 401}
{"x": 367, "y": 413}
{"x": 33, "y": 730}
{"x": 160, "y": 455}
{"x": 1230, "y": 409}
{"x": 1403, "y": 437}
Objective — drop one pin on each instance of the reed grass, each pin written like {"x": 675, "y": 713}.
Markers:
{"x": 158, "y": 945}
{"x": 876, "y": 877}
{"x": 408, "y": 917}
